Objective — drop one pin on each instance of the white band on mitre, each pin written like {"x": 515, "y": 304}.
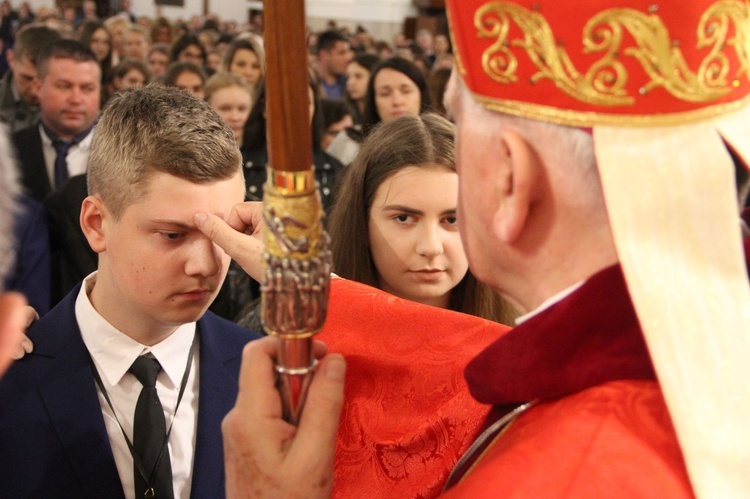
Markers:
{"x": 672, "y": 202}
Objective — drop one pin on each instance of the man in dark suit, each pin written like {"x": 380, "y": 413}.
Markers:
{"x": 130, "y": 376}
{"x": 19, "y": 104}
{"x": 69, "y": 90}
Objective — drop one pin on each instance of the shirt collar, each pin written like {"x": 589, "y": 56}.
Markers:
{"x": 82, "y": 140}
{"x": 114, "y": 352}
{"x": 549, "y": 302}
{"x": 590, "y": 337}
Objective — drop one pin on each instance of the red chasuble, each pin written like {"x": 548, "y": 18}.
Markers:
{"x": 408, "y": 415}
{"x": 600, "y": 428}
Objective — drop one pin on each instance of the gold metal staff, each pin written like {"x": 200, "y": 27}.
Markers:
{"x": 298, "y": 263}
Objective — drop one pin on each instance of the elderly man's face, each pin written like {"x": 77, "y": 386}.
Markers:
{"x": 476, "y": 198}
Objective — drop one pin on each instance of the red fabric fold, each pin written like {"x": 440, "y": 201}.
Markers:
{"x": 408, "y": 415}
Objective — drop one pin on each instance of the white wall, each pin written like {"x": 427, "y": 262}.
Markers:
{"x": 381, "y": 17}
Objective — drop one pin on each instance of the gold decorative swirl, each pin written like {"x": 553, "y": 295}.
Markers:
{"x": 713, "y": 31}
{"x": 605, "y": 82}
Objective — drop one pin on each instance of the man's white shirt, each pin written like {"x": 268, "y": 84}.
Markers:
{"x": 113, "y": 353}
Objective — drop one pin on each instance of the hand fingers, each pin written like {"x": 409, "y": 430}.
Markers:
{"x": 320, "y": 349}
{"x": 216, "y": 229}
{"x": 25, "y": 347}
{"x": 257, "y": 383}
{"x": 244, "y": 249}
{"x": 30, "y": 316}
{"x": 11, "y": 326}
{"x": 247, "y": 215}
{"x": 320, "y": 416}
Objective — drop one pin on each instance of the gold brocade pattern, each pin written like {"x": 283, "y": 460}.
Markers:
{"x": 605, "y": 81}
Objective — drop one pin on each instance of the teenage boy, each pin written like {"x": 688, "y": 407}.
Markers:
{"x": 83, "y": 415}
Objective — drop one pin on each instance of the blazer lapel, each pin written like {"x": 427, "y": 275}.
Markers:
{"x": 32, "y": 165}
{"x": 217, "y": 394}
{"x": 71, "y": 399}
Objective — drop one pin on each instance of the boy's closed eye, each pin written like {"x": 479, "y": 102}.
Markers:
{"x": 172, "y": 236}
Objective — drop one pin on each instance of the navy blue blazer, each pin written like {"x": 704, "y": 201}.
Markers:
{"x": 53, "y": 442}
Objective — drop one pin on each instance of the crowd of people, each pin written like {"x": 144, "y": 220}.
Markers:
{"x": 355, "y": 83}
{"x": 130, "y": 169}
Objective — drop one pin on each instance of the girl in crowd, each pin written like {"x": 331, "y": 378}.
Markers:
{"x": 396, "y": 87}
{"x": 231, "y": 97}
{"x": 117, "y": 26}
{"x": 187, "y": 76}
{"x": 137, "y": 42}
{"x": 255, "y": 153}
{"x": 158, "y": 59}
{"x": 162, "y": 31}
{"x": 393, "y": 225}
{"x": 188, "y": 48}
{"x": 337, "y": 117}
{"x": 245, "y": 58}
{"x": 358, "y": 77}
{"x": 130, "y": 73}
{"x": 96, "y": 37}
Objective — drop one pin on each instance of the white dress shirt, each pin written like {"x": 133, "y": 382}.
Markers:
{"x": 113, "y": 353}
{"x": 557, "y": 297}
{"x": 77, "y": 158}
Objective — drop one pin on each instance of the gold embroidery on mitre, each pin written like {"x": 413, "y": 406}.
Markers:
{"x": 604, "y": 83}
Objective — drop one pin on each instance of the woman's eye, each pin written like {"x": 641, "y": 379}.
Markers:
{"x": 452, "y": 220}
{"x": 402, "y": 218}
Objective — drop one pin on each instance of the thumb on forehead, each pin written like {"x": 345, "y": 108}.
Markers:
{"x": 245, "y": 249}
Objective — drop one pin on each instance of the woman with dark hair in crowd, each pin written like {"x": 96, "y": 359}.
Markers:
{"x": 130, "y": 73}
{"x": 397, "y": 87}
{"x": 337, "y": 117}
{"x": 96, "y": 36}
{"x": 187, "y": 76}
{"x": 358, "y": 77}
{"x": 393, "y": 225}
{"x": 255, "y": 153}
{"x": 188, "y": 48}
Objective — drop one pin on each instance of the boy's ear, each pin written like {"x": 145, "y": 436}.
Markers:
{"x": 515, "y": 184}
{"x": 94, "y": 217}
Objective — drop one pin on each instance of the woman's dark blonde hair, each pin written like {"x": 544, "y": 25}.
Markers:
{"x": 425, "y": 140}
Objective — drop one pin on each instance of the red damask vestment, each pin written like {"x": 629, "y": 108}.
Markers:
{"x": 600, "y": 428}
{"x": 408, "y": 415}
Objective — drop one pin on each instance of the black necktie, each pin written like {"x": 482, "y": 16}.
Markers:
{"x": 152, "y": 467}
{"x": 61, "y": 161}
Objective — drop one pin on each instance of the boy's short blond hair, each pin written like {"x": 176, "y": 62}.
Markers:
{"x": 157, "y": 129}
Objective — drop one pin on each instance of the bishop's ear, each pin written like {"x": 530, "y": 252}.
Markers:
{"x": 93, "y": 219}
{"x": 516, "y": 184}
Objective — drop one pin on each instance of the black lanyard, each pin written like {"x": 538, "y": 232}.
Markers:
{"x": 137, "y": 462}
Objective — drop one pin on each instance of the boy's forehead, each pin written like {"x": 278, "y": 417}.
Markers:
{"x": 176, "y": 193}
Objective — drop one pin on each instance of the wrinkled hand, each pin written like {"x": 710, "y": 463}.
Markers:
{"x": 240, "y": 236}
{"x": 264, "y": 455}
{"x": 13, "y": 322}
